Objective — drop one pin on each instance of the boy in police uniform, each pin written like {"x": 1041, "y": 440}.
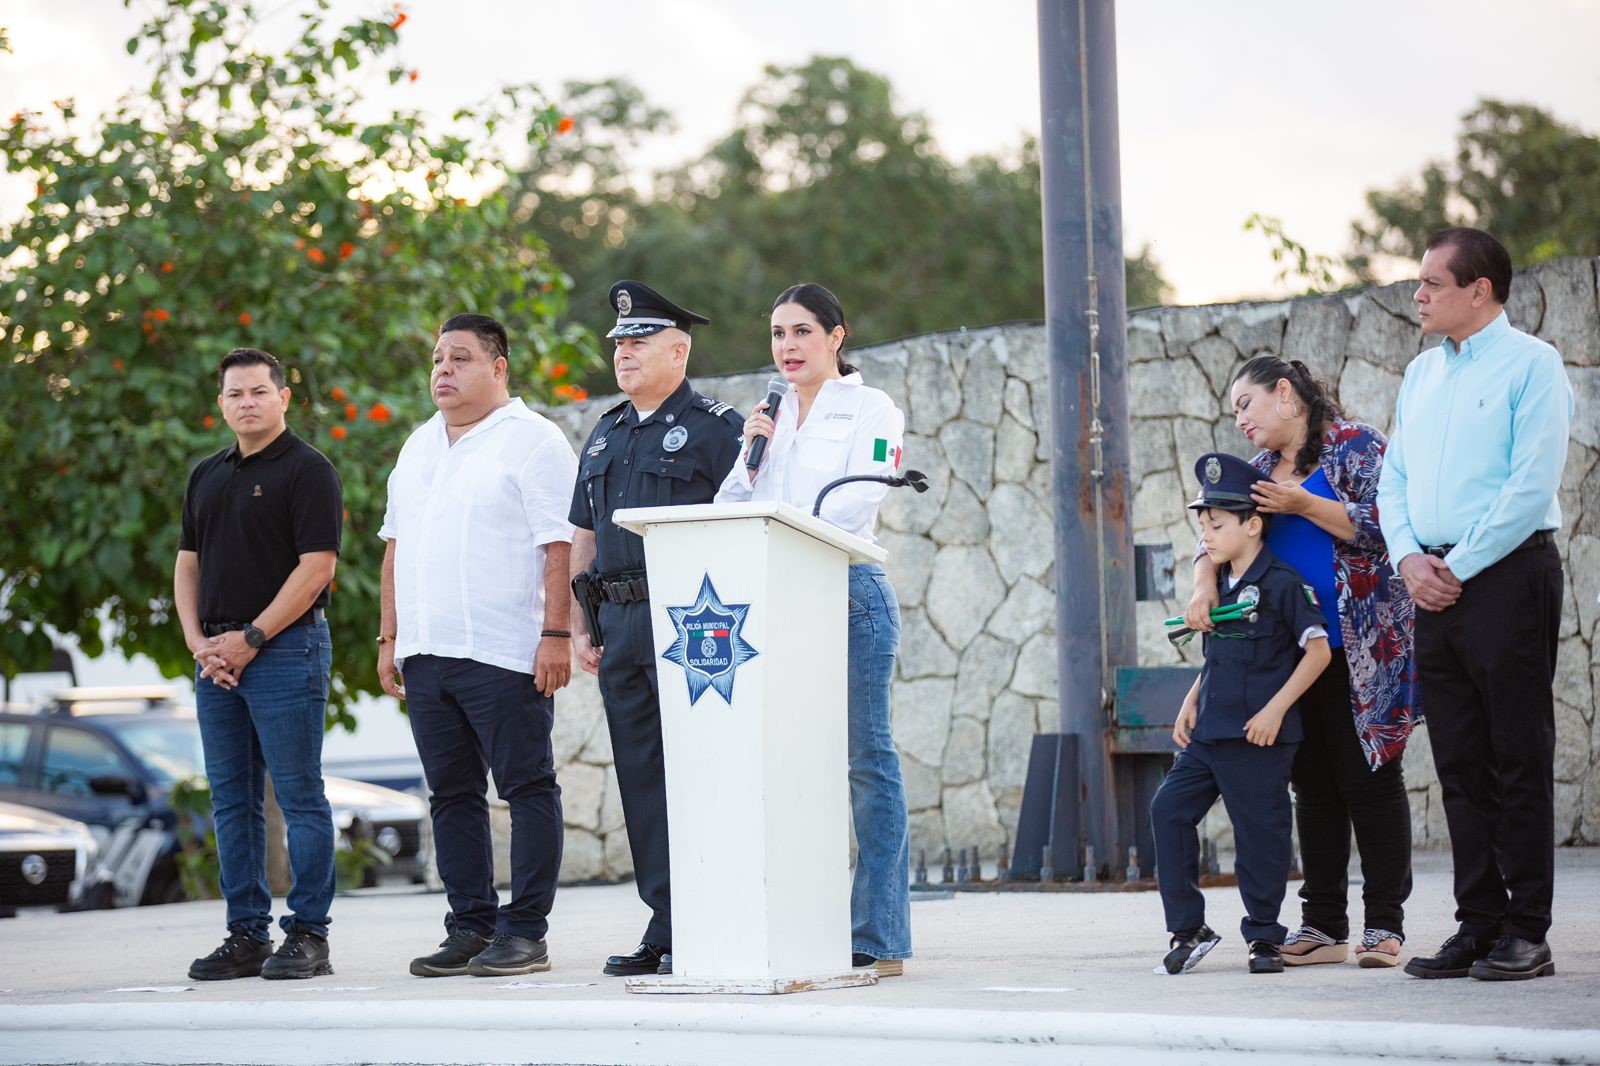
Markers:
{"x": 665, "y": 445}
{"x": 1238, "y": 727}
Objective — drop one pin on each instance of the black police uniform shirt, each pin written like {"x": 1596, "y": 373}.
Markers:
{"x": 250, "y": 518}
{"x": 678, "y": 455}
{"x": 1248, "y": 662}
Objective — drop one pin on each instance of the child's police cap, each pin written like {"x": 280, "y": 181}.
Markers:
{"x": 642, "y": 311}
{"x": 1225, "y": 482}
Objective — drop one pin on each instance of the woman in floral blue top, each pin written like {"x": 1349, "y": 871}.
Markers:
{"x": 1320, "y": 484}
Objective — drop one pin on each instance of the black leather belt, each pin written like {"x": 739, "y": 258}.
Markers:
{"x": 1538, "y": 540}
{"x": 624, "y": 586}
{"x": 216, "y": 629}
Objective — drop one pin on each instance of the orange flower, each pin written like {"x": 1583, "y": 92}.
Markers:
{"x": 208, "y": 421}
{"x": 299, "y": 243}
{"x": 379, "y": 413}
{"x": 558, "y": 371}
{"x": 244, "y": 318}
{"x": 391, "y": 248}
{"x": 399, "y": 20}
{"x": 166, "y": 268}
{"x": 565, "y": 125}
{"x": 160, "y": 314}
{"x": 350, "y": 412}
{"x": 337, "y": 433}
{"x": 346, "y": 250}
{"x": 16, "y": 118}
{"x": 413, "y": 75}
{"x": 347, "y": 514}
{"x": 337, "y": 392}
{"x": 148, "y": 329}
{"x": 575, "y": 393}
{"x": 116, "y": 364}
{"x": 316, "y": 256}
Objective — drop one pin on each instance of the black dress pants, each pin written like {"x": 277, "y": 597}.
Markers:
{"x": 1335, "y": 790}
{"x": 630, "y": 691}
{"x": 467, "y": 716}
{"x": 1487, "y": 666}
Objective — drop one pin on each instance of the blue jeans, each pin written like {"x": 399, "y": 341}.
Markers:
{"x": 880, "y": 897}
{"x": 272, "y": 722}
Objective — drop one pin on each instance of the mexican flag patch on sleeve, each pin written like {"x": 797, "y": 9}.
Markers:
{"x": 1311, "y": 595}
{"x": 882, "y": 452}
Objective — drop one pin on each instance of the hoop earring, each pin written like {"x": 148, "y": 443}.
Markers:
{"x": 1277, "y": 408}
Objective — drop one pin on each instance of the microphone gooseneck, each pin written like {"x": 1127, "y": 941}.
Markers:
{"x": 914, "y": 479}
{"x": 776, "y": 388}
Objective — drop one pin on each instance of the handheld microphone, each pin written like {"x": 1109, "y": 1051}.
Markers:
{"x": 776, "y": 388}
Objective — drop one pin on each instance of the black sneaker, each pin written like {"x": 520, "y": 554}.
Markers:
{"x": 1187, "y": 951}
{"x": 241, "y": 955}
{"x": 1265, "y": 957}
{"x": 302, "y": 955}
{"x": 508, "y": 955}
{"x": 881, "y": 967}
{"x": 455, "y": 951}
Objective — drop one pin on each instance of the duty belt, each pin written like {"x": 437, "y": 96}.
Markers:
{"x": 216, "y": 629}
{"x": 624, "y": 586}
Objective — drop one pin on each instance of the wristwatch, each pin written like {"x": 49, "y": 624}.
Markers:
{"x": 253, "y": 636}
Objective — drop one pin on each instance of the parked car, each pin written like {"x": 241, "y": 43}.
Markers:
{"x": 109, "y": 757}
{"x": 44, "y": 858}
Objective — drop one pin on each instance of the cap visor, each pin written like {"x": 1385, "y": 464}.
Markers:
{"x": 637, "y": 329}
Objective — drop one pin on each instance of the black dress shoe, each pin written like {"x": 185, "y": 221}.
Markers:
{"x": 1515, "y": 959}
{"x": 1453, "y": 959}
{"x": 455, "y": 951}
{"x": 1265, "y": 957}
{"x": 645, "y": 959}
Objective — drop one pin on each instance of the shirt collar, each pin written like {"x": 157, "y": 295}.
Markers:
{"x": 514, "y": 409}
{"x": 1252, "y": 574}
{"x": 673, "y": 405}
{"x": 1480, "y": 341}
{"x": 280, "y": 444}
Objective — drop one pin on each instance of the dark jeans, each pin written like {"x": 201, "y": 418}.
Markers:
{"x": 1487, "y": 666}
{"x": 272, "y": 722}
{"x": 469, "y": 717}
{"x": 1335, "y": 789}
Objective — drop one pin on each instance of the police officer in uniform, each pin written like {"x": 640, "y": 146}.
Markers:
{"x": 1238, "y": 726}
{"x": 665, "y": 445}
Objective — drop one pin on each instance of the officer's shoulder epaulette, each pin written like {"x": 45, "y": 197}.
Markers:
{"x": 615, "y": 407}
{"x": 715, "y": 408}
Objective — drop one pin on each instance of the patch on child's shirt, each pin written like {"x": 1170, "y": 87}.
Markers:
{"x": 1311, "y": 595}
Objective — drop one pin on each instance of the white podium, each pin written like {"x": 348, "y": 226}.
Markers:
{"x": 748, "y": 602}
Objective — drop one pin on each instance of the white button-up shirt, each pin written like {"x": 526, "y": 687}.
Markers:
{"x": 470, "y": 522}
{"x": 851, "y": 428}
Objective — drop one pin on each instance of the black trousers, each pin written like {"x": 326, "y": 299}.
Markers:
{"x": 633, "y": 714}
{"x": 1487, "y": 666}
{"x": 467, "y": 717}
{"x": 1335, "y": 790}
{"x": 1253, "y": 783}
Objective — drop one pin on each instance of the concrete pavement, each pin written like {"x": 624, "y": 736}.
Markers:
{"x": 999, "y": 978}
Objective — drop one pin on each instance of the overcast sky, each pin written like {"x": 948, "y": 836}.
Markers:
{"x": 1228, "y": 107}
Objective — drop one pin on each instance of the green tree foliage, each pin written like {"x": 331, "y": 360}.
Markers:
{"x": 237, "y": 200}
{"x": 1530, "y": 180}
{"x": 823, "y": 178}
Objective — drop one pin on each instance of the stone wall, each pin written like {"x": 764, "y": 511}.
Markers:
{"x": 977, "y": 670}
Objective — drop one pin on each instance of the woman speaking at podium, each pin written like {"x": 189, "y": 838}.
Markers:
{"x": 827, "y": 426}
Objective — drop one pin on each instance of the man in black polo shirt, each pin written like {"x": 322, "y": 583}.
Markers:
{"x": 261, "y": 526}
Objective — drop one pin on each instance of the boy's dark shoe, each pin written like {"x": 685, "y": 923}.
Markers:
{"x": 241, "y": 955}
{"x": 1515, "y": 959}
{"x": 455, "y": 951}
{"x": 302, "y": 955}
{"x": 508, "y": 955}
{"x": 1265, "y": 957}
{"x": 881, "y": 967}
{"x": 1188, "y": 950}
{"x": 644, "y": 959}
{"x": 1453, "y": 959}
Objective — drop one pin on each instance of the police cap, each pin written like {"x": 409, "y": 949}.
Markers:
{"x": 642, "y": 311}
{"x": 1225, "y": 482}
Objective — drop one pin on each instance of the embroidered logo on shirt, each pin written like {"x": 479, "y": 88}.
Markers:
{"x": 883, "y": 452}
{"x": 597, "y": 447}
{"x": 710, "y": 646}
{"x": 842, "y": 416}
{"x": 257, "y": 492}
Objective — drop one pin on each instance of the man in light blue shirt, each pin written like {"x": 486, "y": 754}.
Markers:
{"x": 1468, "y": 506}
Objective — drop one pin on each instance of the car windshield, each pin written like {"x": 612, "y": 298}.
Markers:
{"x": 168, "y": 747}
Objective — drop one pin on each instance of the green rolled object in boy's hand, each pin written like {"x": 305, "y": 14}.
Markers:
{"x": 1230, "y": 612}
